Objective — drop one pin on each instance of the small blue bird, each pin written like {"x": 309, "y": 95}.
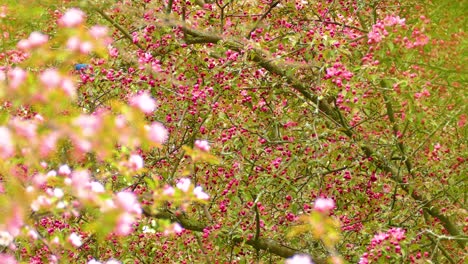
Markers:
{"x": 81, "y": 66}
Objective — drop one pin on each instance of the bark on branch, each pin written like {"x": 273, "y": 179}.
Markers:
{"x": 260, "y": 57}
{"x": 266, "y": 244}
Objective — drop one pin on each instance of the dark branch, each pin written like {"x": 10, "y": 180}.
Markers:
{"x": 268, "y": 245}
{"x": 261, "y": 58}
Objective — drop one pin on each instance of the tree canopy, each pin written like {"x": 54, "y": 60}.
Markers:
{"x": 222, "y": 131}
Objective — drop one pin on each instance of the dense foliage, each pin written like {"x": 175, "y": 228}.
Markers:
{"x": 233, "y": 131}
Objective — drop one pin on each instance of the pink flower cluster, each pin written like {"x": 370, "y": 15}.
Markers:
{"x": 16, "y": 77}
{"x": 202, "y": 145}
{"x": 35, "y": 40}
{"x": 72, "y": 18}
{"x": 418, "y": 39}
{"x": 144, "y": 102}
{"x": 338, "y": 73}
{"x": 383, "y": 241}
{"x": 52, "y": 79}
{"x": 324, "y": 205}
{"x": 127, "y": 201}
{"x": 7, "y": 147}
{"x": 184, "y": 185}
{"x": 157, "y": 133}
{"x": 76, "y": 44}
{"x": 378, "y": 31}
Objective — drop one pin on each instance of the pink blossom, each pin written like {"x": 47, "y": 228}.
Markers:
{"x": 144, "y": 102}
{"x": 32, "y": 234}
{"x": 75, "y": 240}
{"x": 120, "y": 121}
{"x": 89, "y": 124}
{"x": 7, "y": 259}
{"x": 397, "y": 233}
{"x": 135, "y": 162}
{"x": 157, "y": 133}
{"x": 23, "y": 45}
{"x": 96, "y": 187}
{"x": 124, "y": 224}
{"x": 324, "y": 204}
{"x": 198, "y": 191}
{"x": 68, "y": 87}
{"x": 174, "y": 228}
{"x": 7, "y": 148}
{"x": 364, "y": 259}
{"x": 2, "y": 75}
{"x": 98, "y": 32}
{"x": 48, "y": 143}
{"x": 15, "y": 221}
{"x": 393, "y": 20}
{"x": 41, "y": 201}
{"x": 72, "y": 18}
{"x": 128, "y": 202}
{"x": 202, "y": 145}
{"x": 58, "y": 193}
{"x": 37, "y": 39}
{"x": 299, "y": 259}
{"x": 5, "y": 238}
{"x": 183, "y": 184}
{"x": 168, "y": 190}
{"x": 16, "y": 77}
{"x": 24, "y": 128}
{"x": 80, "y": 179}
{"x": 113, "y": 52}
{"x": 3, "y": 11}
{"x": 64, "y": 170}
{"x": 73, "y": 43}
{"x": 50, "y": 78}
{"x": 178, "y": 228}
{"x": 86, "y": 47}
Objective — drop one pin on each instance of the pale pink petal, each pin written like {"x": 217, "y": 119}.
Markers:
{"x": 183, "y": 184}
{"x": 73, "y": 43}
{"x": 68, "y": 87}
{"x": 202, "y": 145}
{"x": 136, "y": 162}
{"x": 128, "y": 202}
{"x": 198, "y": 191}
{"x": 37, "y": 39}
{"x": 7, "y": 147}
{"x": 324, "y": 204}
{"x": 7, "y": 259}
{"x": 157, "y": 133}
{"x": 50, "y": 78}
{"x": 86, "y": 47}
{"x": 98, "y": 31}
{"x": 72, "y": 18}
{"x": 64, "y": 170}
{"x": 124, "y": 224}
{"x": 144, "y": 102}
{"x": 75, "y": 240}
{"x": 24, "y": 45}
{"x": 16, "y": 77}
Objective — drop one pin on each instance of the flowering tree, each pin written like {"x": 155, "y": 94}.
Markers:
{"x": 233, "y": 132}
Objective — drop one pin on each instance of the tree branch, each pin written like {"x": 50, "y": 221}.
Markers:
{"x": 268, "y": 245}
{"x": 261, "y": 58}
{"x": 117, "y": 26}
{"x": 272, "y": 5}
